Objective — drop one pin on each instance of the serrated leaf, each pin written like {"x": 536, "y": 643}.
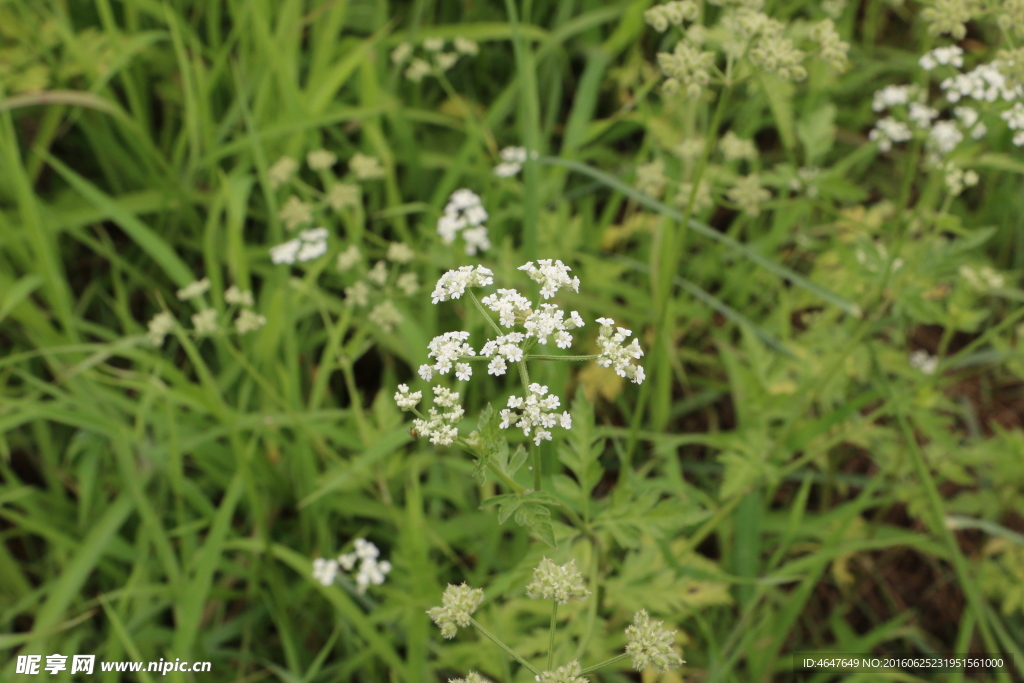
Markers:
{"x": 817, "y": 133}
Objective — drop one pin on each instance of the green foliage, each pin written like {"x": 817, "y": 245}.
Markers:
{"x": 826, "y": 454}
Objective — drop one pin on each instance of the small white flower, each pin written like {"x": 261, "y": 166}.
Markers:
{"x": 321, "y": 159}
{"x": 365, "y": 167}
{"x": 463, "y": 371}
{"x": 358, "y": 294}
{"x": 551, "y": 276}
{"x": 418, "y": 69}
{"x": 536, "y": 413}
{"x": 378, "y": 275}
{"x": 401, "y": 53}
{"x": 197, "y": 288}
{"x": 405, "y": 399}
{"x": 249, "y": 321}
{"x": 453, "y": 284}
{"x": 512, "y": 160}
{"x": 408, "y": 283}
{"x": 282, "y": 171}
{"x": 947, "y": 55}
{"x": 233, "y": 295}
{"x": 205, "y": 322}
{"x": 924, "y": 361}
{"x": 295, "y": 213}
{"x": 349, "y": 258}
{"x": 310, "y": 244}
{"x": 399, "y": 252}
{"x": 466, "y": 46}
{"x": 507, "y": 303}
{"x": 159, "y": 327}
{"x": 386, "y": 316}
{"x": 426, "y": 372}
{"x": 343, "y": 194}
{"x": 433, "y": 44}
{"x": 448, "y": 348}
{"x": 325, "y": 571}
{"x": 616, "y": 356}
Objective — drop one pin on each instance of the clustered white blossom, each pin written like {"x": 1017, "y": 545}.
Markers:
{"x": 924, "y": 361}
{"x": 986, "y": 88}
{"x": 204, "y": 322}
{"x": 384, "y": 313}
{"x": 982, "y": 279}
{"x": 310, "y": 244}
{"x": 453, "y": 284}
{"x": 512, "y": 160}
{"x": 616, "y": 356}
{"x": 536, "y": 413}
{"x": 440, "y": 427}
{"x": 464, "y": 212}
{"x": 370, "y": 572}
{"x": 551, "y": 276}
{"x": 436, "y": 59}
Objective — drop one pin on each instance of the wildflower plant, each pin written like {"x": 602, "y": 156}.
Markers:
{"x": 648, "y": 643}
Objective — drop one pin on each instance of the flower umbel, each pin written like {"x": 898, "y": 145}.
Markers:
{"x": 570, "y": 673}
{"x": 650, "y": 646}
{"x": 561, "y": 583}
{"x": 457, "y": 606}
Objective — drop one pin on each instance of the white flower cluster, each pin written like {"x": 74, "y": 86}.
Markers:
{"x": 435, "y": 58}
{"x": 512, "y": 160}
{"x": 370, "y": 572}
{"x": 464, "y": 212}
{"x": 987, "y": 85}
{"x": 445, "y": 349}
{"x": 982, "y": 279}
{"x": 440, "y": 427}
{"x": 310, "y": 244}
{"x": 205, "y": 322}
{"x": 538, "y": 324}
{"x": 616, "y": 356}
{"x": 924, "y": 361}
{"x": 551, "y": 276}
{"x": 384, "y": 313}
{"x": 536, "y": 413}
{"x": 453, "y": 284}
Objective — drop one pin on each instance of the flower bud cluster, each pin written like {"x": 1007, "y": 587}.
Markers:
{"x": 204, "y": 322}
{"x": 440, "y": 427}
{"x": 672, "y": 13}
{"x": 749, "y": 195}
{"x": 464, "y": 212}
{"x": 650, "y": 646}
{"x": 569, "y": 673}
{"x": 370, "y": 572}
{"x": 434, "y": 59}
{"x": 453, "y": 284}
{"x": 456, "y": 610}
{"x": 560, "y": 583}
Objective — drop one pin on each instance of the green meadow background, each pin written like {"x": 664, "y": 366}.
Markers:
{"x": 784, "y": 481}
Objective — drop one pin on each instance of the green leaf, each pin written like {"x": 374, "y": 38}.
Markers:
{"x": 817, "y": 133}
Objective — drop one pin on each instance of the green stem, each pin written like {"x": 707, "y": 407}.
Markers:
{"x": 483, "y": 311}
{"x": 605, "y": 663}
{"x": 497, "y": 641}
{"x": 551, "y": 635}
{"x": 535, "y": 459}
